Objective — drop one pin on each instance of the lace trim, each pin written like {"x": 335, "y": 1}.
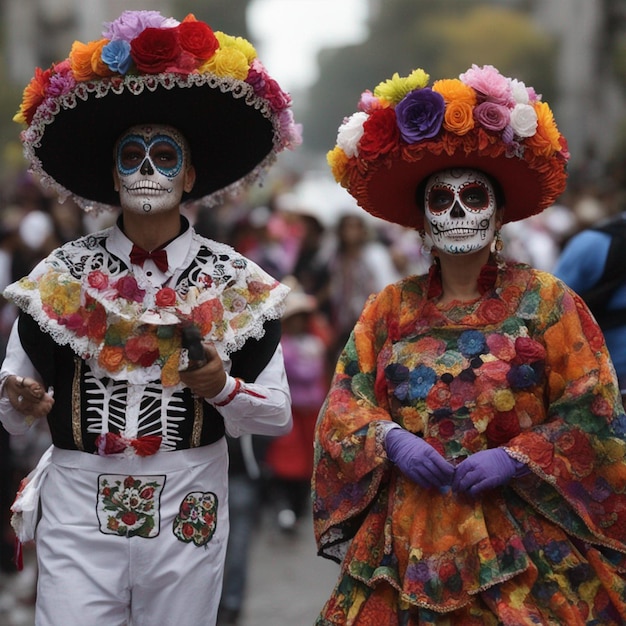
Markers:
{"x": 84, "y": 297}
{"x": 51, "y": 107}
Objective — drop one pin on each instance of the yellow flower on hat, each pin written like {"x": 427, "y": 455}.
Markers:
{"x": 394, "y": 89}
{"x": 228, "y": 62}
{"x": 337, "y": 159}
{"x": 241, "y": 44}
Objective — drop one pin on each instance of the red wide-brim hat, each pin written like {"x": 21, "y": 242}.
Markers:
{"x": 405, "y": 131}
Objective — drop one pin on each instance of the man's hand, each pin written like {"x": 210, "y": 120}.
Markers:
{"x": 28, "y": 396}
{"x": 206, "y": 381}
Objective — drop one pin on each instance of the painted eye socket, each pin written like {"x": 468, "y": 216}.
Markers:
{"x": 131, "y": 155}
{"x": 164, "y": 155}
{"x": 475, "y": 196}
{"x": 439, "y": 199}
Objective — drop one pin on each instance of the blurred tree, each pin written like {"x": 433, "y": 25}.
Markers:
{"x": 444, "y": 38}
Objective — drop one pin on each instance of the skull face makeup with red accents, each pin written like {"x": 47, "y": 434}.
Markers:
{"x": 460, "y": 208}
{"x": 152, "y": 168}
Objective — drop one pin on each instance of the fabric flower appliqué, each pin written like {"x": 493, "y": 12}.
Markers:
{"x": 197, "y": 518}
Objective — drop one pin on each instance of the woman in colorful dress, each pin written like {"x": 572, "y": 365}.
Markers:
{"x": 129, "y": 507}
{"x": 469, "y": 458}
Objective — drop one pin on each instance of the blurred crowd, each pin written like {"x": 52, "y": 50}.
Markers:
{"x": 333, "y": 257}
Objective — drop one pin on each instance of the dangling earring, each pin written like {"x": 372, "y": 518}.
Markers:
{"x": 427, "y": 242}
{"x": 497, "y": 245}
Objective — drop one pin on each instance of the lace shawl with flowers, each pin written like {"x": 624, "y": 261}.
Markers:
{"x": 128, "y": 330}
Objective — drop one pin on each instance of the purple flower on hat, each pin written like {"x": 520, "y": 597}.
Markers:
{"x": 130, "y": 23}
{"x": 420, "y": 114}
{"x": 62, "y": 81}
{"x": 116, "y": 54}
{"x": 492, "y": 116}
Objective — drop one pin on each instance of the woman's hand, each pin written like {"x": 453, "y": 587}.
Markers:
{"x": 206, "y": 381}
{"x": 28, "y": 396}
{"x": 485, "y": 470}
{"x": 418, "y": 460}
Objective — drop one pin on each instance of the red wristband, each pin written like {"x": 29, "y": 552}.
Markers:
{"x": 232, "y": 394}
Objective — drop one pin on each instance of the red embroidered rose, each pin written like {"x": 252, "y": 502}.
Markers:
{"x": 528, "y": 350}
{"x": 188, "y": 530}
{"x": 129, "y": 482}
{"x": 197, "y": 38}
{"x": 128, "y": 288}
{"x": 129, "y": 518}
{"x": 446, "y": 429}
{"x": 98, "y": 280}
{"x": 165, "y": 297}
{"x": 142, "y": 350}
{"x": 492, "y": 310}
{"x": 154, "y": 50}
{"x": 576, "y": 447}
{"x": 97, "y": 323}
{"x": 502, "y": 428}
{"x": 381, "y": 134}
{"x": 147, "y": 493}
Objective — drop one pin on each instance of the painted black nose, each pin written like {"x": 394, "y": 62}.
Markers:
{"x": 457, "y": 211}
{"x": 146, "y": 168}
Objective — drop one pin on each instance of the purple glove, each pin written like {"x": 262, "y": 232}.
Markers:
{"x": 485, "y": 470}
{"x": 418, "y": 460}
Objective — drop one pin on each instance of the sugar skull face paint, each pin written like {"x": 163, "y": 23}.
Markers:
{"x": 152, "y": 168}
{"x": 461, "y": 210}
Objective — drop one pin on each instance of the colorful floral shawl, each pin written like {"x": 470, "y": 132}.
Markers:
{"x": 523, "y": 367}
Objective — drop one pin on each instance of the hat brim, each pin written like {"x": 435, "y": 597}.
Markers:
{"x": 231, "y": 132}
{"x": 389, "y": 189}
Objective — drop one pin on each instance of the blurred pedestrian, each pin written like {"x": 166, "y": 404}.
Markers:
{"x": 290, "y": 457}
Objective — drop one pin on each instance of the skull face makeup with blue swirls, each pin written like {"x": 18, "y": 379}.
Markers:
{"x": 152, "y": 168}
{"x": 460, "y": 208}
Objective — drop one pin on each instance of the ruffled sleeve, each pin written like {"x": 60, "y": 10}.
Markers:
{"x": 350, "y": 461}
{"x": 577, "y": 450}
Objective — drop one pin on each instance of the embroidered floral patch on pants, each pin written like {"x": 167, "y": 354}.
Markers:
{"x": 197, "y": 518}
{"x": 129, "y": 505}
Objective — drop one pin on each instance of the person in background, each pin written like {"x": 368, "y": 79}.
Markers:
{"x": 470, "y": 455}
{"x": 290, "y": 457}
{"x": 247, "y": 480}
{"x": 143, "y": 344}
{"x": 359, "y": 267}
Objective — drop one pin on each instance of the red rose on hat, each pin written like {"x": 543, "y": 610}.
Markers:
{"x": 381, "y": 133}
{"x": 197, "y": 38}
{"x": 155, "y": 49}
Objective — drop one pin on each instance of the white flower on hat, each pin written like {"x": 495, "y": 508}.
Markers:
{"x": 519, "y": 91}
{"x": 350, "y": 133}
{"x": 524, "y": 120}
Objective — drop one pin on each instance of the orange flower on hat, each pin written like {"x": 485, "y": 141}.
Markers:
{"x": 85, "y": 60}
{"x": 546, "y": 141}
{"x": 33, "y": 95}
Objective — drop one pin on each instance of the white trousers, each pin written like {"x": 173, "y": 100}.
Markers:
{"x": 129, "y": 539}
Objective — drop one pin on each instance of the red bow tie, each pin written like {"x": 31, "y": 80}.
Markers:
{"x": 138, "y": 256}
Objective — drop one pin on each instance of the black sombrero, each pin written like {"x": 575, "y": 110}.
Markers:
{"x": 153, "y": 70}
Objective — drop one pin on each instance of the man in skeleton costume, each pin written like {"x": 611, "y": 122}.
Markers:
{"x": 470, "y": 456}
{"x": 129, "y": 506}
